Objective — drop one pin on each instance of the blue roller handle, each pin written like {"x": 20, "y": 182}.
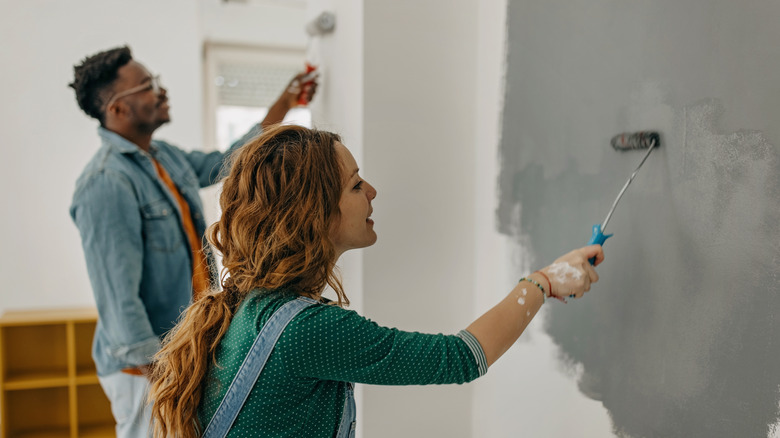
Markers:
{"x": 597, "y": 238}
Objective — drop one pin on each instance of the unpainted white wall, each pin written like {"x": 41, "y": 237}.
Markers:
{"x": 267, "y": 24}
{"x": 419, "y": 133}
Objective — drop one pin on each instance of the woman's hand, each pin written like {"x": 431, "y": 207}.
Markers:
{"x": 499, "y": 327}
{"x": 571, "y": 275}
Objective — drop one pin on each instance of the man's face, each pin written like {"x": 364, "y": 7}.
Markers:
{"x": 145, "y": 104}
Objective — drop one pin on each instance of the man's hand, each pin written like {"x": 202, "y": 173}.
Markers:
{"x": 300, "y": 89}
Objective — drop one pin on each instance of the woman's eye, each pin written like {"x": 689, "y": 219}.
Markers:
{"x": 358, "y": 186}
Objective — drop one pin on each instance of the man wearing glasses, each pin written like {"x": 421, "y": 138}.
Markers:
{"x": 140, "y": 217}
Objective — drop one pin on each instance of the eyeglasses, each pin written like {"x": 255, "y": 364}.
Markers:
{"x": 154, "y": 85}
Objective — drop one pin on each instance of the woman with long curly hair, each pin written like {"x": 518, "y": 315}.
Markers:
{"x": 268, "y": 355}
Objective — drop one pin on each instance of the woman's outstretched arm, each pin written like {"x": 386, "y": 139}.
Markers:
{"x": 569, "y": 276}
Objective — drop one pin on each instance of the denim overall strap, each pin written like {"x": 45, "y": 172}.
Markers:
{"x": 347, "y": 425}
{"x": 250, "y": 369}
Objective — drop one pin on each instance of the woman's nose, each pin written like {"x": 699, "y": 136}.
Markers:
{"x": 371, "y": 191}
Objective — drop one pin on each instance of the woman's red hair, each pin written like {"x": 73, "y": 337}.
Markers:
{"x": 278, "y": 202}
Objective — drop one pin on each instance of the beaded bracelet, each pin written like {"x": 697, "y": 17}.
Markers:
{"x": 549, "y": 283}
{"x": 535, "y": 283}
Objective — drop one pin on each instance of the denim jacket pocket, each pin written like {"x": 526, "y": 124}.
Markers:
{"x": 161, "y": 226}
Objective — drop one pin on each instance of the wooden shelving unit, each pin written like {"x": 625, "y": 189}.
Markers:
{"x": 48, "y": 382}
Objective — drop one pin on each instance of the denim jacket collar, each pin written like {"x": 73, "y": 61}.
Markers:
{"x": 120, "y": 143}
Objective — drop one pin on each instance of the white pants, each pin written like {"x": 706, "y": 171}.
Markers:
{"x": 127, "y": 394}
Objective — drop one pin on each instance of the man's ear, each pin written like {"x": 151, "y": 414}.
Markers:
{"x": 116, "y": 110}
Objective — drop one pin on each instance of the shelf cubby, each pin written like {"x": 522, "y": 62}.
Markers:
{"x": 48, "y": 382}
{"x": 39, "y": 412}
{"x": 84, "y": 331}
{"x": 35, "y": 356}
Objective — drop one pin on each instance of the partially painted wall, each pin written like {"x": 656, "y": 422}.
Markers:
{"x": 680, "y": 336}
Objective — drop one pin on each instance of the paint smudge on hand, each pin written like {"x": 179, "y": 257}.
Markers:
{"x": 564, "y": 272}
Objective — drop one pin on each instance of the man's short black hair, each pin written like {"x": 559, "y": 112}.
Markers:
{"x": 96, "y": 74}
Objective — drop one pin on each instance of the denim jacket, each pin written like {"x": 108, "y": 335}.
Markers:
{"x": 138, "y": 257}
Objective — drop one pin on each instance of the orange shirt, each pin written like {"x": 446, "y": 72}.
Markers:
{"x": 200, "y": 267}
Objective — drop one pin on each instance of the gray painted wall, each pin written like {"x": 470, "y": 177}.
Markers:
{"x": 680, "y": 336}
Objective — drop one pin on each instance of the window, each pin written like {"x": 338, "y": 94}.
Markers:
{"x": 241, "y": 84}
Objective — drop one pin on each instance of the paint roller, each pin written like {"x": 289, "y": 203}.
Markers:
{"x": 625, "y": 142}
{"x": 323, "y": 24}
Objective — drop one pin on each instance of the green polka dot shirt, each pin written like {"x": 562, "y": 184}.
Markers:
{"x": 302, "y": 388}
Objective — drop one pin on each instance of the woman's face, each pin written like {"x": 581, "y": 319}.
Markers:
{"x": 354, "y": 228}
